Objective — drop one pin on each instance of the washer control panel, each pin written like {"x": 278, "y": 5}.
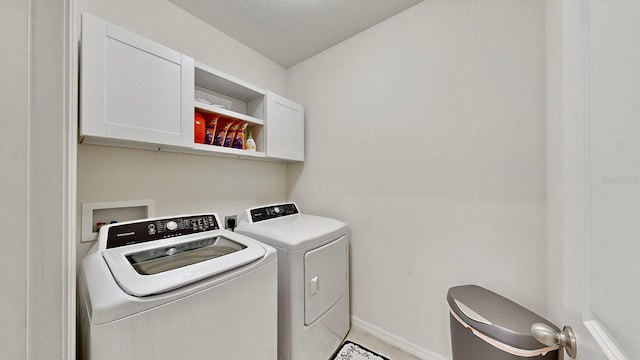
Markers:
{"x": 272, "y": 211}
{"x": 156, "y": 229}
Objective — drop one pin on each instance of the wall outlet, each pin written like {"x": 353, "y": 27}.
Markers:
{"x": 230, "y": 222}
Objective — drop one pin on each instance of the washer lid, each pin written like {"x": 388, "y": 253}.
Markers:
{"x": 159, "y": 266}
{"x": 293, "y": 232}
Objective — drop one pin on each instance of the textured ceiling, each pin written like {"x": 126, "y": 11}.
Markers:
{"x": 290, "y": 31}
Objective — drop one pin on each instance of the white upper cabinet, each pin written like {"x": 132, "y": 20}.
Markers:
{"x": 137, "y": 93}
{"x": 133, "y": 88}
{"x": 285, "y": 128}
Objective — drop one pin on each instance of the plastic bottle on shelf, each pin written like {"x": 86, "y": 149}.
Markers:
{"x": 250, "y": 143}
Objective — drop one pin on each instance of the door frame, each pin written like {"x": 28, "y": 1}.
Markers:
{"x": 71, "y": 66}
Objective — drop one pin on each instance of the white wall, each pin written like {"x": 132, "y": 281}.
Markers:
{"x": 181, "y": 183}
{"x": 13, "y": 184}
{"x": 427, "y": 134}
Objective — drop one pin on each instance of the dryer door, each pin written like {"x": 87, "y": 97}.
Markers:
{"x": 326, "y": 278}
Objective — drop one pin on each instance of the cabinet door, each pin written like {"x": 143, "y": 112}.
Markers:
{"x": 133, "y": 88}
{"x": 285, "y": 128}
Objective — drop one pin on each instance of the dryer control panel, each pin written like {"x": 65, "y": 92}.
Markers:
{"x": 156, "y": 229}
{"x": 272, "y": 211}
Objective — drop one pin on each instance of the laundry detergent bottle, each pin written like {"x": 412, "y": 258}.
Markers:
{"x": 250, "y": 144}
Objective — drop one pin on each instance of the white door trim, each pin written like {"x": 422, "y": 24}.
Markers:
{"x": 71, "y": 120}
{"x": 604, "y": 341}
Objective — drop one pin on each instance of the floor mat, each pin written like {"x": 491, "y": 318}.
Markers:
{"x": 353, "y": 351}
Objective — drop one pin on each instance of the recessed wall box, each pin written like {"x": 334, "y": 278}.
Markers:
{"x": 106, "y": 212}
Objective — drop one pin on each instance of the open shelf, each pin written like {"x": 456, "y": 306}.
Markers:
{"x": 234, "y": 101}
{"x": 215, "y": 80}
{"x": 229, "y": 151}
{"x": 227, "y": 113}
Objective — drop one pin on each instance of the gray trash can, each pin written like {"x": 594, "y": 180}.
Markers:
{"x": 487, "y": 326}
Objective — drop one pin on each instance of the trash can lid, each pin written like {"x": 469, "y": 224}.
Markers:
{"x": 496, "y": 316}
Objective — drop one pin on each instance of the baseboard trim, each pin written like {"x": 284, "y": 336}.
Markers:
{"x": 394, "y": 340}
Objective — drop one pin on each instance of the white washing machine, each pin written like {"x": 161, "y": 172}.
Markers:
{"x": 313, "y": 278}
{"x": 177, "y": 288}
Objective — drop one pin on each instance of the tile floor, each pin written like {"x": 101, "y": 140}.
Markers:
{"x": 374, "y": 344}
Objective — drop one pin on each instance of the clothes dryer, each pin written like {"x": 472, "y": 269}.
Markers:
{"x": 177, "y": 288}
{"x": 313, "y": 278}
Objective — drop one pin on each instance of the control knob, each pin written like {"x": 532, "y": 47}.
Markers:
{"x": 172, "y": 225}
